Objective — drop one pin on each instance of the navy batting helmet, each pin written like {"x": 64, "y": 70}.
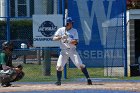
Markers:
{"x": 69, "y": 20}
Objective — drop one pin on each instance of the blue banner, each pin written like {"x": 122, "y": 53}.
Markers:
{"x": 100, "y": 24}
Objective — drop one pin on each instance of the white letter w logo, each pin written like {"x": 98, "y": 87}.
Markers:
{"x": 98, "y": 10}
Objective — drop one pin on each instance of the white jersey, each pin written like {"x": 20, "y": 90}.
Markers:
{"x": 72, "y": 34}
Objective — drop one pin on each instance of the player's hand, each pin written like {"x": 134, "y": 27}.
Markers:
{"x": 59, "y": 37}
{"x": 5, "y": 67}
{"x": 64, "y": 36}
{"x": 74, "y": 42}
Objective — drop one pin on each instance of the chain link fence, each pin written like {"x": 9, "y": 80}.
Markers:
{"x": 16, "y": 25}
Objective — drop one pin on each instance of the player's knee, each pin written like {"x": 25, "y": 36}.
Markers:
{"x": 59, "y": 68}
{"x": 80, "y": 66}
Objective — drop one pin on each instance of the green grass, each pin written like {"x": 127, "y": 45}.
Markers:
{"x": 34, "y": 73}
{"x": 130, "y": 78}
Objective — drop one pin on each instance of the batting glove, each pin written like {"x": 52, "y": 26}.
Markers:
{"x": 64, "y": 36}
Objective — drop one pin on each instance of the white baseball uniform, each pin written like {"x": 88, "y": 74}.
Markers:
{"x": 67, "y": 49}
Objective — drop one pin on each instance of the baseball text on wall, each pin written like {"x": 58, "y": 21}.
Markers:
{"x": 100, "y": 24}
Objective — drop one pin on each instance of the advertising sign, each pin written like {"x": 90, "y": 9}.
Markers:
{"x": 44, "y": 27}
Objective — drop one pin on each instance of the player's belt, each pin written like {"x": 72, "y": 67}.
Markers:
{"x": 66, "y": 48}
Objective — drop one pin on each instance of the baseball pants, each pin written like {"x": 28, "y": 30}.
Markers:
{"x": 65, "y": 54}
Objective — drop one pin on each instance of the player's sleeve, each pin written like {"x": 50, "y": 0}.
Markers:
{"x": 58, "y": 32}
{"x": 76, "y": 37}
{"x": 3, "y": 59}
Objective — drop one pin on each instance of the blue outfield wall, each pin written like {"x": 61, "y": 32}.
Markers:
{"x": 101, "y": 28}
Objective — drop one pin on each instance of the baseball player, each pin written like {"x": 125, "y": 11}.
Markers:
{"x": 68, "y": 38}
{"x": 11, "y": 75}
{"x": 6, "y": 56}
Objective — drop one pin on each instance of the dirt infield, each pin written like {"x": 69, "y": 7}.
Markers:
{"x": 127, "y": 86}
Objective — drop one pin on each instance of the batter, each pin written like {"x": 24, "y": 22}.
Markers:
{"x": 68, "y": 37}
